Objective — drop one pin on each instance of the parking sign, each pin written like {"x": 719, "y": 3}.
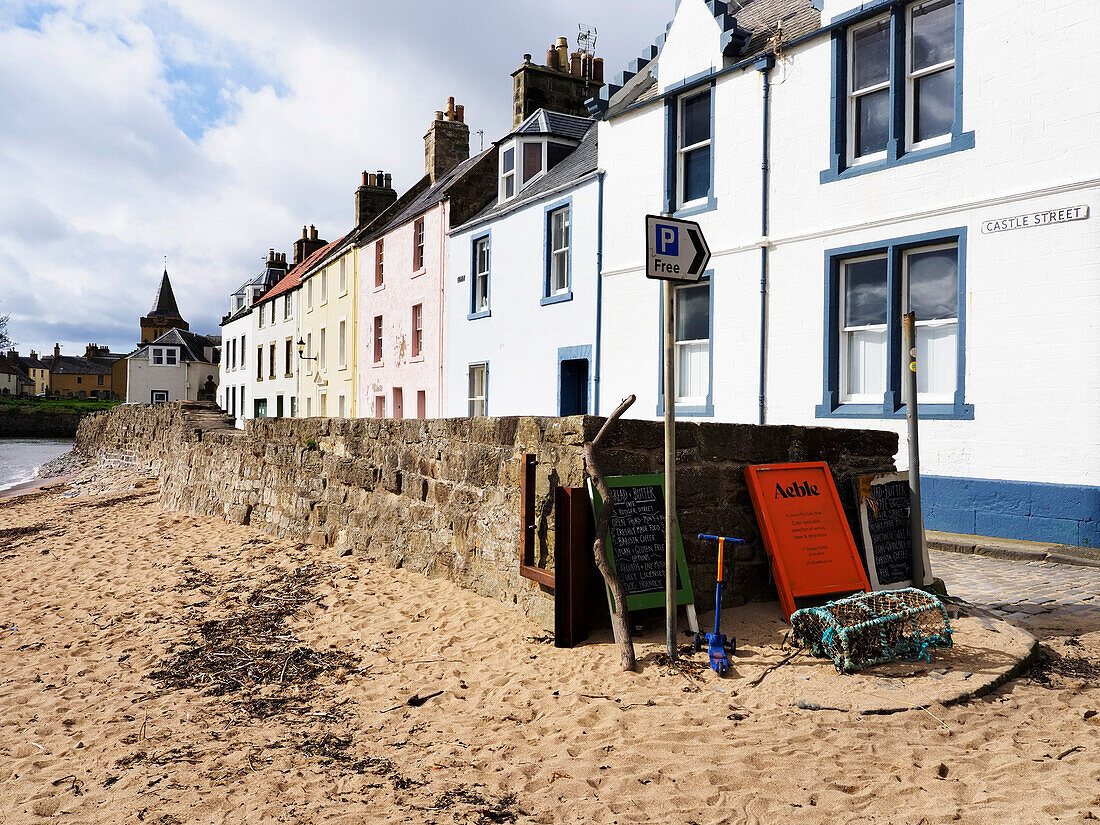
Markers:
{"x": 675, "y": 250}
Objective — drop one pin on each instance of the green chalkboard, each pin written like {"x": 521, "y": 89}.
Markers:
{"x": 636, "y": 541}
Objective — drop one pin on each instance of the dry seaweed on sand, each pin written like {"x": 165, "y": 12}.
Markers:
{"x": 503, "y": 809}
{"x": 1049, "y": 665}
{"x": 252, "y": 650}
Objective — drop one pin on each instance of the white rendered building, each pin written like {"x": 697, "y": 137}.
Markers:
{"x": 848, "y": 160}
{"x": 522, "y": 326}
{"x": 177, "y": 366}
{"x": 239, "y": 375}
{"x": 276, "y": 365}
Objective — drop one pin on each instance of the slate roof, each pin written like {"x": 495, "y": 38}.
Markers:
{"x": 165, "y": 301}
{"x": 191, "y": 346}
{"x": 545, "y": 122}
{"x": 750, "y": 30}
{"x": 12, "y": 369}
{"x": 429, "y": 197}
{"x": 580, "y": 162}
{"x": 77, "y": 365}
{"x": 28, "y": 363}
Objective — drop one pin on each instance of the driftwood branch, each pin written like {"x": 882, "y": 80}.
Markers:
{"x": 620, "y": 621}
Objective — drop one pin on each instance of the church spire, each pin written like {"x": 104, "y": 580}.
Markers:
{"x": 165, "y": 302}
{"x": 164, "y": 315}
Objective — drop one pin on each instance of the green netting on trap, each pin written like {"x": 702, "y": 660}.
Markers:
{"x": 871, "y": 628}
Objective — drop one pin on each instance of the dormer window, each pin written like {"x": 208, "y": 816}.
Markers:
{"x": 508, "y": 174}
{"x": 532, "y": 160}
{"x": 527, "y": 159}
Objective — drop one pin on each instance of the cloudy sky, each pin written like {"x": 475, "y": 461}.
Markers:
{"x": 208, "y": 131}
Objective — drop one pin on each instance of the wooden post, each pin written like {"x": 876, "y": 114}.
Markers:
{"x": 620, "y": 622}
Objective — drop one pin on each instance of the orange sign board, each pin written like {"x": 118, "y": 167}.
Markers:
{"x": 805, "y": 531}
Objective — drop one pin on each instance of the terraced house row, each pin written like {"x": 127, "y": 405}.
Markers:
{"x": 847, "y": 161}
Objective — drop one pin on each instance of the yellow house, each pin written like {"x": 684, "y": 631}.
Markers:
{"x": 35, "y": 368}
{"x": 328, "y": 311}
{"x": 326, "y": 327}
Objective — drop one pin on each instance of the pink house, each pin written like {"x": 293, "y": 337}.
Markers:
{"x": 401, "y": 279}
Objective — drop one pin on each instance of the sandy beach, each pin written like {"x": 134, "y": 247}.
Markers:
{"x": 163, "y": 668}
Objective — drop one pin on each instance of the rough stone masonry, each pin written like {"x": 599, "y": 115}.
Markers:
{"x": 443, "y": 496}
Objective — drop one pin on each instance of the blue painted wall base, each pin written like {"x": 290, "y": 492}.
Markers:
{"x": 1060, "y": 513}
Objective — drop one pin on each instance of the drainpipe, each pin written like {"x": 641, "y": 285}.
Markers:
{"x": 764, "y": 65}
{"x": 599, "y": 296}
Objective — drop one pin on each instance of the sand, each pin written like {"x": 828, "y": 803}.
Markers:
{"x": 100, "y": 589}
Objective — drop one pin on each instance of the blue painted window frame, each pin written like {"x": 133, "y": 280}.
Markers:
{"x": 474, "y": 314}
{"x": 581, "y": 353}
{"x": 547, "y": 250}
{"x": 892, "y": 405}
{"x": 896, "y": 152}
{"x": 672, "y": 115}
{"x": 706, "y": 410}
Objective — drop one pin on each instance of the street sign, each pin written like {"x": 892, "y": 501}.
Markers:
{"x": 675, "y": 250}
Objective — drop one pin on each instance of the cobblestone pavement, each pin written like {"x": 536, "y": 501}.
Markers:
{"x": 1024, "y": 592}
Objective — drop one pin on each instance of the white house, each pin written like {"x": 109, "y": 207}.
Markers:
{"x": 177, "y": 366}
{"x": 236, "y": 393}
{"x": 849, "y": 160}
{"x": 275, "y": 318}
{"x": 522, "y": 322}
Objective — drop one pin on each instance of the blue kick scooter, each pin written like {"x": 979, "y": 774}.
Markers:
{"x": 717, "y": 644}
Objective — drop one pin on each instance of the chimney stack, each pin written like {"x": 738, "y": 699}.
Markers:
{"x": 562, "y": 85}
{"x": 307, "y": 244}
{"x": 447, "y": 142}
{"x": 373, "y": 197}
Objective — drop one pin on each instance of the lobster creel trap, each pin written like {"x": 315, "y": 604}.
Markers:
{"x": 871, "y": 628}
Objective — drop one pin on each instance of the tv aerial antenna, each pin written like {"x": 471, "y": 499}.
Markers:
{"x": 586, "y": 39}
{"x": 586, "y": 44}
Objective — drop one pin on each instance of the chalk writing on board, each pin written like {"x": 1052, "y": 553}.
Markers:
{"x": 889, "y": 529}
{"x": 637, "y": 532}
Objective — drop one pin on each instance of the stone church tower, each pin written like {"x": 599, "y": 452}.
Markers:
{"x": 164, "y": 315}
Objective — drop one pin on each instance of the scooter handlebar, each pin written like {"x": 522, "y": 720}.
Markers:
{"x": 705, "y": 536}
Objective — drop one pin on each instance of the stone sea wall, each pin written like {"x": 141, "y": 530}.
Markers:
{"x": 16, "y": 422}
{"x": 443, "y": 496}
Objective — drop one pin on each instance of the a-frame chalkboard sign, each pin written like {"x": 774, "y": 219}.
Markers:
{"x": 636, "y": 542}
{"x": 884, "y": 517}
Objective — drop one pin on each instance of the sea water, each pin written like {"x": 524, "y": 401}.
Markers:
{"x": 20, "y": 458}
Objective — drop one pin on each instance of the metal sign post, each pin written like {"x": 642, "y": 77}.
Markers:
{"x": 921, "y": 574}
{"x": 676, "y": 252}
{"x": 669, "y": 301}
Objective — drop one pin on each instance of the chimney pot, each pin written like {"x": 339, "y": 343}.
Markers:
{"x": 575, "y": 64}
{"x": 597, "y": 70}
{"x": 460, "y": 113}
{"x": 563, "y": 54}
{"x": 527, "y": 58}
{"x": 552, "y": 58}
{"x": 439, "y": 116}
{"x": 312, "y": 232}
{"x": 387, "y": 180}
{"x": 371, "y": 179}
{"x": 364, "y": 177}
{"x": 305, "y": 234}
{"x": 379, "y": 175}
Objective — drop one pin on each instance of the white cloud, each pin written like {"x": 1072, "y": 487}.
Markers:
{"x": 209, "y": 131}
